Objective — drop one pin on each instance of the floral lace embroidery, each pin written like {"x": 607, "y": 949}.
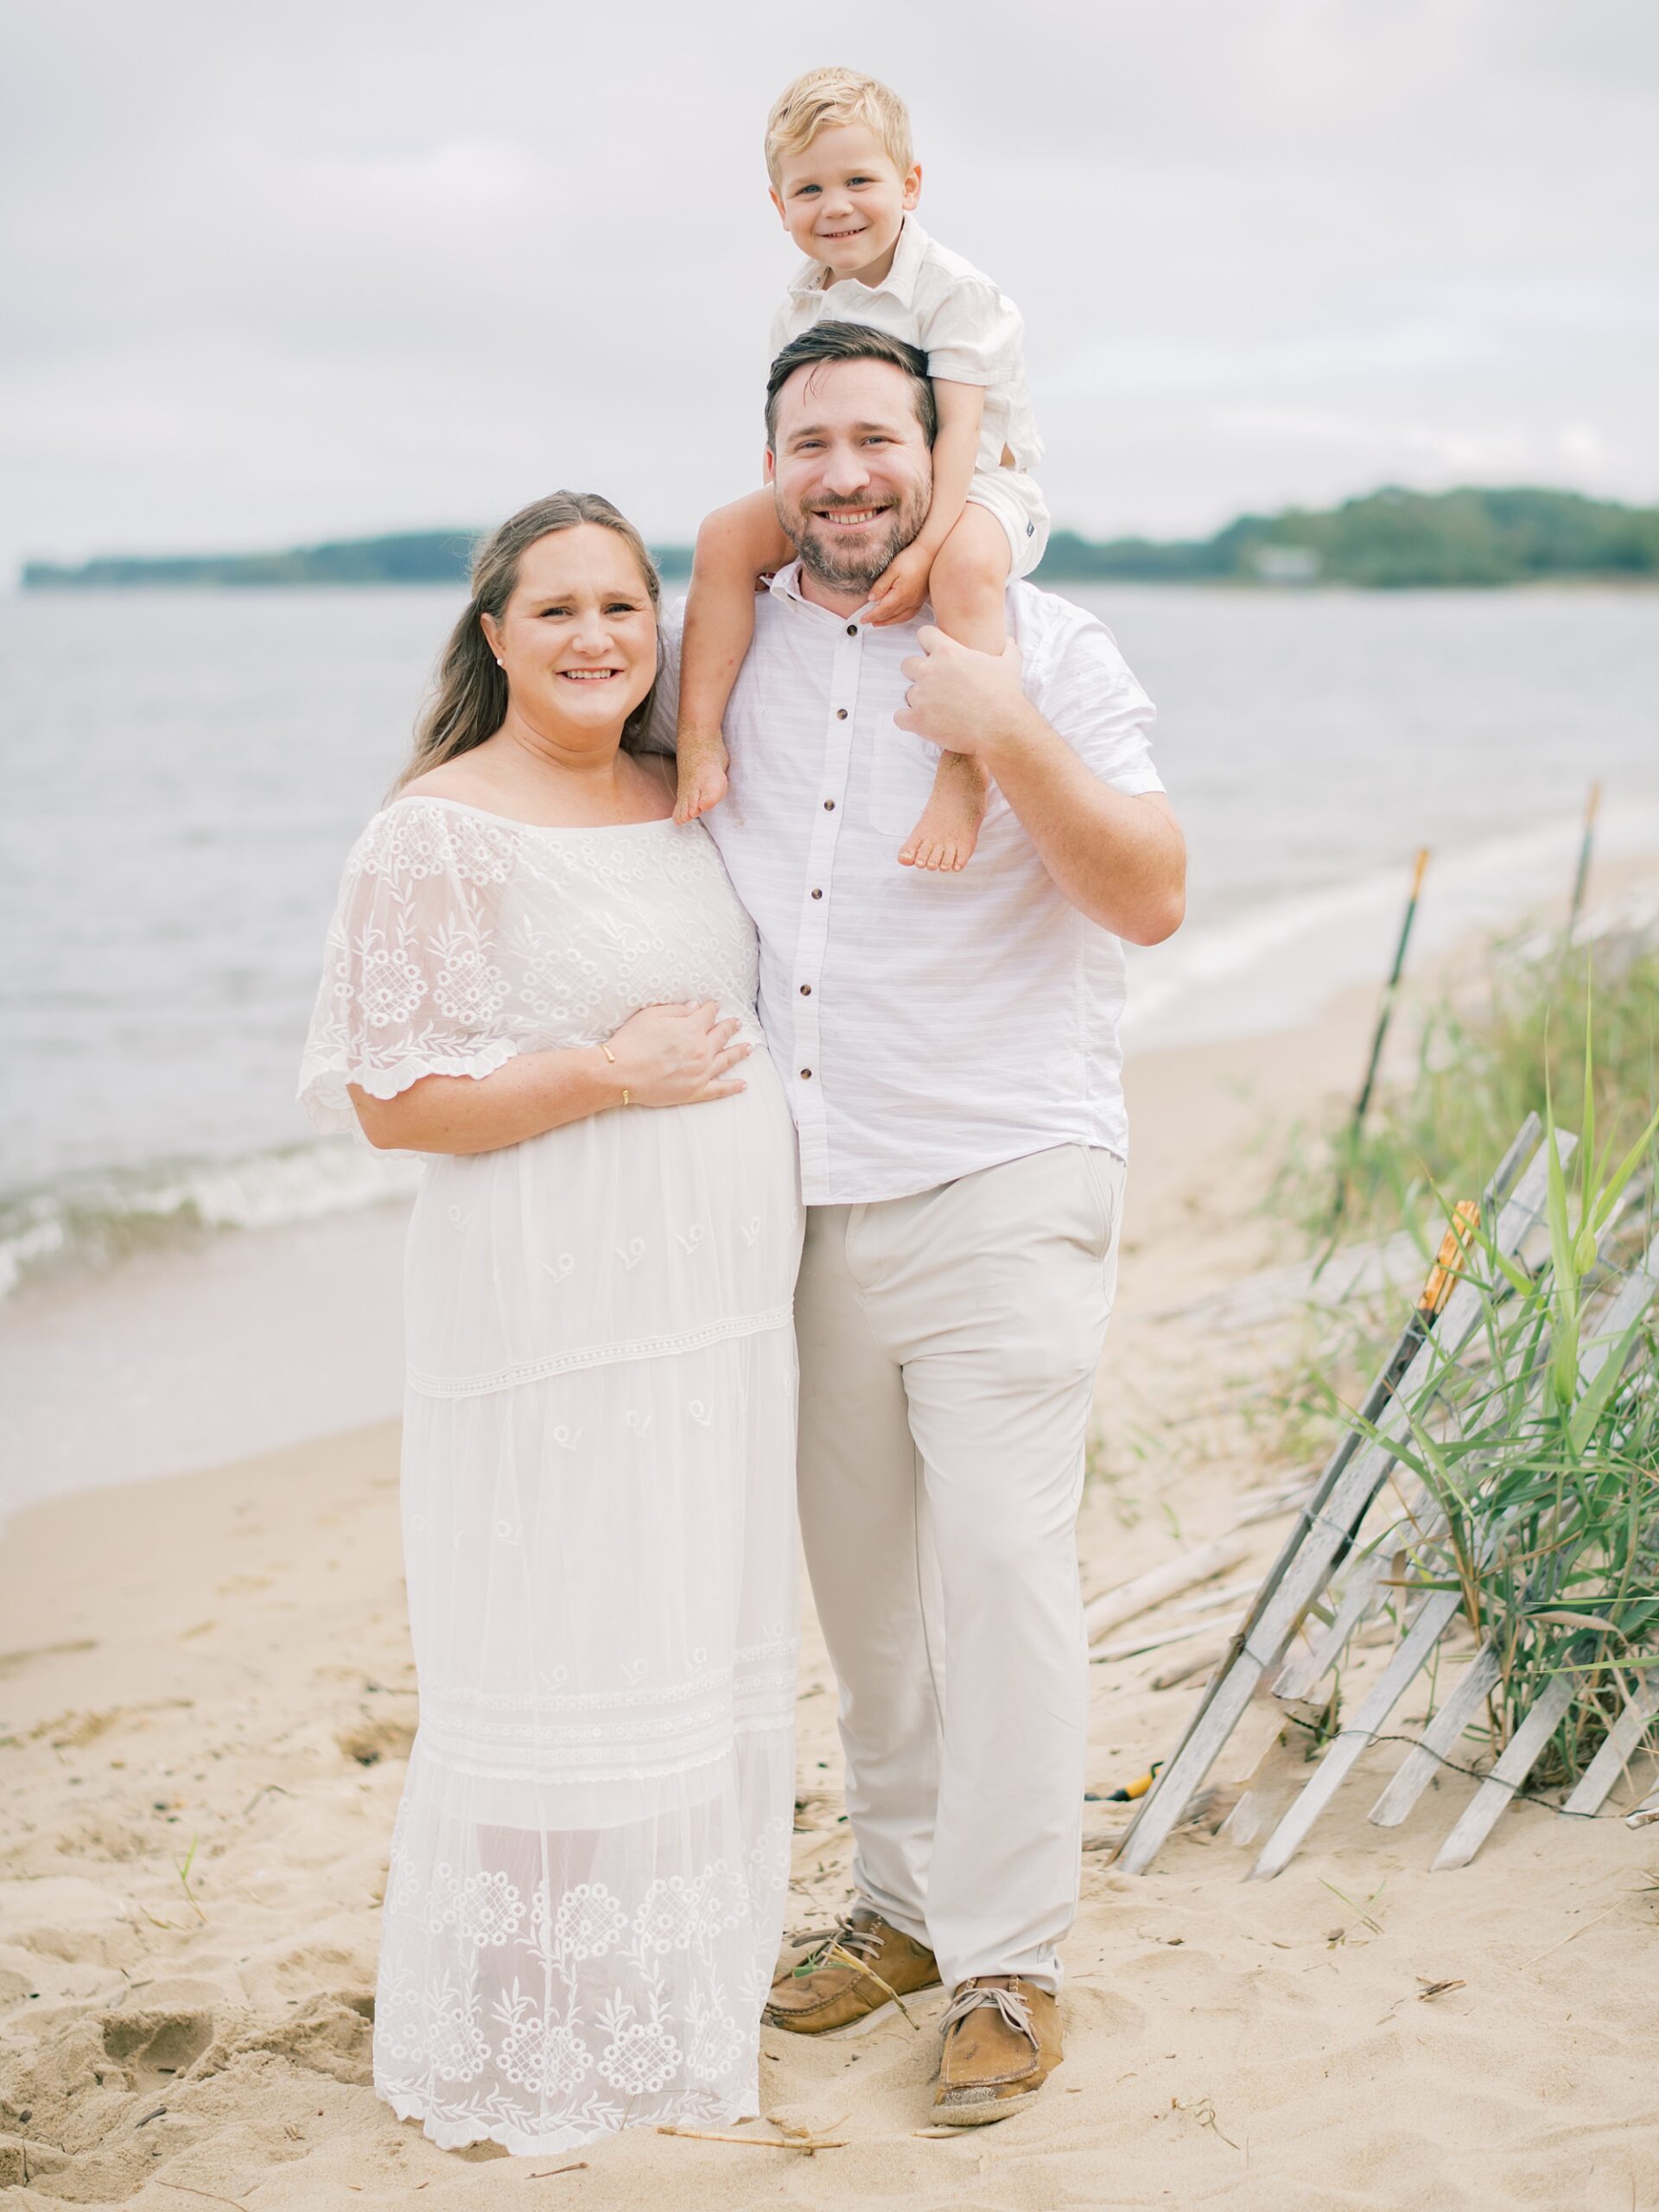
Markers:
{"x": 459, "y": 940}
{"x": 589, "y": 2001}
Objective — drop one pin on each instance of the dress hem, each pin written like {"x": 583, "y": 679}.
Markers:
{"x": 459, "y": 2135}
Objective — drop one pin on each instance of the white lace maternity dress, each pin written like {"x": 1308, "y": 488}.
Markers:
{"x": 585, "y": 1899}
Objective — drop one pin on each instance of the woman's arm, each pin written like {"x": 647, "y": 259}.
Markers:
{"x": 662, "y": 1056}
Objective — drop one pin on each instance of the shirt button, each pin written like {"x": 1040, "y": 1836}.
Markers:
{"x": 852, "y": 629}
{"x": 806, "y": 990}
{"x": 806, "y": 1075}
{"x": 841, "y": 714}
{"x": 829, "y": 806}
{"x": 818, "y": 894}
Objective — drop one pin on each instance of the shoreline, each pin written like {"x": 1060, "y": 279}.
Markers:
{"x": 211, "y": 1344}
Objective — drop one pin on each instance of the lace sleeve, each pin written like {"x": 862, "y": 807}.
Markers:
{"x": 410, "y": 984}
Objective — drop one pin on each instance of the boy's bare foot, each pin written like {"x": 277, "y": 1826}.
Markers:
{"x": 703, "y": 776}
{"x": 945, "y": 836}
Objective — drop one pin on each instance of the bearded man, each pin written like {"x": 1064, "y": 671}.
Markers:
{"x": 950, "y": 1046}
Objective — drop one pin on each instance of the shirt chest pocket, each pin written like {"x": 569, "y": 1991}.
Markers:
{"x": 901, "y": 777}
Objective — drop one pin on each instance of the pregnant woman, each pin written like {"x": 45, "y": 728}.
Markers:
{"x": 537, "y": 980}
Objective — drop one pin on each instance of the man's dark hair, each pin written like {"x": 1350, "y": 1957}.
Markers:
{"x": 851, "y": 341}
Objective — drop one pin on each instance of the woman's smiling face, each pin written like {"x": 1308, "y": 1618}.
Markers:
{"x": 844, "y": 203}
{"x": 578, "y": 636}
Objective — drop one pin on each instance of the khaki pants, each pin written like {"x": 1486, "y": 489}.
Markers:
{"x": 949, "y": 1346}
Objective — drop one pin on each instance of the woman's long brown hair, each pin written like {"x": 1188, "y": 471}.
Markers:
{"x": 470, "y": 702}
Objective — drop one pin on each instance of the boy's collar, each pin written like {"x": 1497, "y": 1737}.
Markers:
{"x": 900, "y": 279}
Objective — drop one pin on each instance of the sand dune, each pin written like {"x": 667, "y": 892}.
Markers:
{"x": 206, "y": 1699}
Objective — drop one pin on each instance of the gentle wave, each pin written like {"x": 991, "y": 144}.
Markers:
{"x": 95, "y": 1220}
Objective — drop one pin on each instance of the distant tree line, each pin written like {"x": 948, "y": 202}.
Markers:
{"x": 1388, "y": 539}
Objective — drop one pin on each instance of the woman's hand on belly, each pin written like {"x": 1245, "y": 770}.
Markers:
{"x": 662, "y": 1056}
{"x": 676, "y": 1055}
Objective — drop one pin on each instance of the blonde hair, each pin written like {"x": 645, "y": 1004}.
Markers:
{"x": 471, "y": 700}
{"x": 825, "y": 97}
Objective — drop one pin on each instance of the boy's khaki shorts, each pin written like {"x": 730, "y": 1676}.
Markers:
{"x": 1016, "y": 500}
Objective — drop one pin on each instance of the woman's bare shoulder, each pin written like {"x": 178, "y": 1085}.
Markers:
{"x": 456, "y": 780}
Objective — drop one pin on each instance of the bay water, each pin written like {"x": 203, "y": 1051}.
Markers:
{"x": 184, "y": 774}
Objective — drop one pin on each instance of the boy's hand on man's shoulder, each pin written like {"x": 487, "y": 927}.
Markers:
{"x": 967, "y": 702}
{"x": 899, "y": 592}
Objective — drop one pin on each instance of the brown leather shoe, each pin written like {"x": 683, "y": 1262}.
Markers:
{"x": 1001, "y": 2043}
{"x": 853, "y": 1979}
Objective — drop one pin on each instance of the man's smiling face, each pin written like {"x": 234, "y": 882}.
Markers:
{"x": 851, "y": 469}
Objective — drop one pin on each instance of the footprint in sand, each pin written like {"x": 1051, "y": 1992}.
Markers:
{"x": 155, "y": 2047}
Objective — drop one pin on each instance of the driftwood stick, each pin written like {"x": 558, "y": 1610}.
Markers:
{"x": 1169, "y": 1580}
{"x": 1195, "y": 1662}
{"x": 805, "y": 2144}
{"x": 1133, "y": 1647}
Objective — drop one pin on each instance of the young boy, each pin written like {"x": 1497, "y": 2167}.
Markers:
{"x": 845, "y": 181}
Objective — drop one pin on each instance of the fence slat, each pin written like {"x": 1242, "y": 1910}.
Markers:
{"x": 1326, "y": 1528}
{"x": 1438, "y": 1609}
{"x": 1420, "y": 1765}
{"x": 1623, "y": 1739}
{"x": 1520, "y": 1755}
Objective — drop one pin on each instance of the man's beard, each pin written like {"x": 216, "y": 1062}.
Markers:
{"x": 846, "y": 566}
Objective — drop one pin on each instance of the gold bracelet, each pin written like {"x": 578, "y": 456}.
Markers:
{"x": 627, "y": 1096}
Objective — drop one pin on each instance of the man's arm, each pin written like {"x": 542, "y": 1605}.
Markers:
{"x": 1120, "y": 859}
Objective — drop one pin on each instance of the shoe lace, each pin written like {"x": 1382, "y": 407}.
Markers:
{"x": 1013, "y": 2007}
{"x": 849, "y": 1945}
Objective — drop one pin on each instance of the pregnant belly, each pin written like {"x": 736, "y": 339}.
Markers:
{"x": 637, "y": 1231}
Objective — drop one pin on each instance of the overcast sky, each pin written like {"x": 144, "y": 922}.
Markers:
{"x": 283, "y": 274}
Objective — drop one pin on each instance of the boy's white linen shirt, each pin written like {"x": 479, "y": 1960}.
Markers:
{"x": 927, "y": 1025}
{"x": 932, "y": 297}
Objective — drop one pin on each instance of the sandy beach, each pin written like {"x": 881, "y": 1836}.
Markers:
{"x": 206, "y": 1699}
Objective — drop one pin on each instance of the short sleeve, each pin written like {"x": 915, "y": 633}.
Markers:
{"x": 972, "y": 335}
{"x": 1084, "y": 688}
{"x": 411, "y": 985}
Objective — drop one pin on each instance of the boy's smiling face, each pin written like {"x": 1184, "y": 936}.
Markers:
{"x": 844, "y": 203}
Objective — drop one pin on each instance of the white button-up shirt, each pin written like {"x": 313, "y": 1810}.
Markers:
{"x": 934, "y": 299}
{"x": 927, "y": 1025}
